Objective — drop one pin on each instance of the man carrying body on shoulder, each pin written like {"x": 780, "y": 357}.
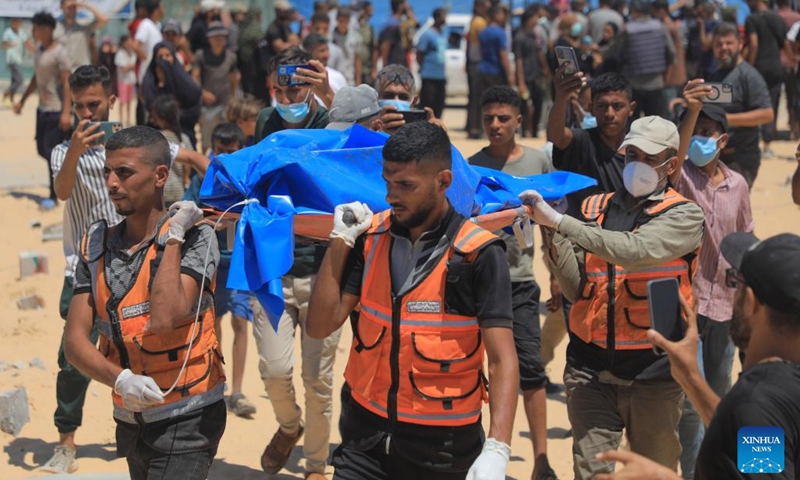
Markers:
{"x": 147, "y": 284}
{"x": 411, "y": 405}
{"x": 603, "y": 262}
{"x": 766, "y": 324}
{"x": 501, "y": 120}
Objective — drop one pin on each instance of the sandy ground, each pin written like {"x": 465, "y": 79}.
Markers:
{"x": 36, "y": 333}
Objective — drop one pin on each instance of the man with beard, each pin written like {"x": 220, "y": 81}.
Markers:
{"x": 751, "y": 106}
{"x": 766, "y": 324}
{"x": 434, "y": 294}
{"x": 147, "y": 285}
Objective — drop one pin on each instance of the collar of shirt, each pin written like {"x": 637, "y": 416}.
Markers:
{"x": 696, "y": 171}
{"x": 116, "y": 243}
{"x": 628, "y": 201}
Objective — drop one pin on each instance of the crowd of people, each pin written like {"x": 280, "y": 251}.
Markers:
{"x": 440, "y": 308}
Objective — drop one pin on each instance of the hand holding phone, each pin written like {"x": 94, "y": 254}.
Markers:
{"x": 107, "y": 129}
{"x": 566, "y": 56}
{"x": 720, "y": 93}
{"x": 663, "y": 302}
{"x": 286, "y": 75}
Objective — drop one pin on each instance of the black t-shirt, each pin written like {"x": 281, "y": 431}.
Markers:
{"x": 749, "y": 93}
{"x": 771, "y": 32}
{"x": 276, "y": 31}
{"x": 766, "y": 395}
{"x": 527, "y": 46}
{"x": 391, "y": 33}
{"x": 588, "y": 155}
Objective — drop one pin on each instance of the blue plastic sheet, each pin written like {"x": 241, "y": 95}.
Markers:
{"x": 307, "y": 172}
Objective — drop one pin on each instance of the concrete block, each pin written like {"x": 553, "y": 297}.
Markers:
{"x": 14, "y": 413}
{"x": 37, "y": 362}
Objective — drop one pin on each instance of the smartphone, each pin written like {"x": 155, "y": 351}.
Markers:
{"x": 413, "y": 115}
{"x": 566, "y": 55}
{"x": 665, "y": 317}
{"x": 286, "y": 72}
{"x": 108, "y": 129}
{"x": 720, "y": 93}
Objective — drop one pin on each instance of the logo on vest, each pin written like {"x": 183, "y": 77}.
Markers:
{"x": 760, "y": 450}
{"x": 136, "y": 310}
{"x": 424, "y": 307}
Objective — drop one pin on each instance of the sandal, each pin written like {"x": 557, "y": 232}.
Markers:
{"x": 241, "y": 406}
{"x": 277, "y": 452}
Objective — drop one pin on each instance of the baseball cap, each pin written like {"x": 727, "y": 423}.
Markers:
{"x": 216, "y": 29}
{"x": 713, "y": 112}
{"x": 207, "y": 5}
{"x": 351, "y": 104}
{"x": 283, "y": 5}
{"x": 653, "y": 135}
{"x": 172, "y": 25}
{"x": 770, "y": 267}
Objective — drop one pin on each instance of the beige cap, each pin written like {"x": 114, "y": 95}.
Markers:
{"x": 653, "y": 135}
{"x": 283, "y": 5}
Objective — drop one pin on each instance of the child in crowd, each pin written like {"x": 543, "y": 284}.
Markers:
{"x": 165, "y": 116}
{"x": 125, "y": 60}
{"x": 244, "y": 112}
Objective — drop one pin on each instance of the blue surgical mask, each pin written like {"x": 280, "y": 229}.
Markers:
{"x": 702, "y": 150}
{"x": 401, "y": 105}
{"x": 589, "y": 121}
{"x": 575, "y": 30}
{"x": 294, "y": 112}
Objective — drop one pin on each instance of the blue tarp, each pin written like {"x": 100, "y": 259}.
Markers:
{"x": 301, "y": 172}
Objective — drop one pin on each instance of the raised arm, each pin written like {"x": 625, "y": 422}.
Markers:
{"x": 557, "y": 131}
{"x": 693, "y": 93}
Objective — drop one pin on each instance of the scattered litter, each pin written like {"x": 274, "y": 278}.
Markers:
{"x": 32, "y": 262}
{"x": 30, "y": 302}
{"x": 37, "y": 363}
{"x": 14, "y": 412}
{"x": 19, "y": 365}
{"x": 53, "y": 232}
{"x": 36, "y": 224}
{"x": 47, "y": 204}
{"x": 15, "y": 374}
{"x": 94, "y": 392}
{"x": 4, "y": 366}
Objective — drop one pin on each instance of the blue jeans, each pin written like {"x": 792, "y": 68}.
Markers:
{"x": 715, "y": 358}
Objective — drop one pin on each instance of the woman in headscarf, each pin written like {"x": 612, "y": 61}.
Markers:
{"x": 165, "y": 76}
{"x": 250, "y": 33}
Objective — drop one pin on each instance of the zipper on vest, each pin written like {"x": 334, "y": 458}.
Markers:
{"x": 610, "y": 320}
{"x": 116, "y": 334}
{"x": 394, "y": 364}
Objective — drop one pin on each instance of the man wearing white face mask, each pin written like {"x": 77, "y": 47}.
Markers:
{"x": 296, "y": 109}
{"x": 603, "y": 262}
{"x": 724, "y": 196}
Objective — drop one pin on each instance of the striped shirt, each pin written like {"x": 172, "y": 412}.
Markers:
{"x": 727, "y": 210}
{"x": 88, "y": 203}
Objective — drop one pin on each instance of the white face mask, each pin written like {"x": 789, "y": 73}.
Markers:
{"x": 640, "y": 178}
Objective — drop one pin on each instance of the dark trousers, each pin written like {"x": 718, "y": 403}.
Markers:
{"x": 474, "y": 99}
{"x": 768, "y": 130}
{"x": 48, "y": 136}
{"x": 528, "y": 334}
{"x": 432, "y": 95}
{"x": 650, "y": 102}
{"x": 376, "y": 464}
{"x": 71, "y": 384}
{"x": 16, "y": 79}
{"x": 530, "y": 121}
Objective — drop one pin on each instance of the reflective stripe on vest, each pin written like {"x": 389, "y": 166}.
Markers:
{"x": 126, "y": 342}
{"x": 620, "y": 315}
{"x": 438, "y": 378}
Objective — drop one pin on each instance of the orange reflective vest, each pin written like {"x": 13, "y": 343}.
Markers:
{"x": 611, "y": 310}
{"x": 125, "y": 341}
{"x": 418, "y": 358}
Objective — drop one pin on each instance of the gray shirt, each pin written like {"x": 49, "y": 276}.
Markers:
{"x": 532, "y": 162}
{"x": 598, "y": 20}
{"x": 215, "y": 74}
{"x": 48, "y": 66}
{"x": 76, "y": 39}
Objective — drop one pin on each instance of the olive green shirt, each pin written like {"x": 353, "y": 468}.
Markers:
{"x": 672, "y": 234}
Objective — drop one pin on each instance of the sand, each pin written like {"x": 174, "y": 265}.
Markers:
{"x": 36, "y": 333}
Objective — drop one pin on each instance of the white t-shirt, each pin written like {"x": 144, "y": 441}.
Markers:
{"x": 148, "y": 34}
{"x": 123, "y": 59}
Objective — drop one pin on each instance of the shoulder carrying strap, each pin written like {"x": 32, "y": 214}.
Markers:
{"x": 671, "y": 199}
{"x": 93, "y": 245}
{"x": 594, "y": 207}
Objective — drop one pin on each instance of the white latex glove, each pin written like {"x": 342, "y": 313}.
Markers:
{"x": 137, "y": 391}
{"x": 491, "y": 463}
{"x": 543, "y": 214}
{"x": 349, "y": 232}
{"x": 184, "y": 215}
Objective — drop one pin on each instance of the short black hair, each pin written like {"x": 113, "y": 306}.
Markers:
{"x": 153, "y": 142}
{"x": 439, "y": 12}
{"x": 495, "y": 10}
{"x": 344, "y": 12}
{"x": 227, "y": 133}
{"x": 87, "y": 75}
{"x": 530, "y": 12}
{"x": 313, "y": 40}
{"x": 727, "y": 28}
{"x": 288, "y": 56}
{"x": 166, "y": 108}
{"x": 611, "y": 82}
{"x": 395, "y": 74}
{"x": 421, "y": 142}
{"x": 502, "y": 94}
{"x": 782, "y": 3}
{"x": 43, "y": 19}
{"x": 320, "y": 17}
{"x": 151, "y": 6}
{"x": 396, "y": 4}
